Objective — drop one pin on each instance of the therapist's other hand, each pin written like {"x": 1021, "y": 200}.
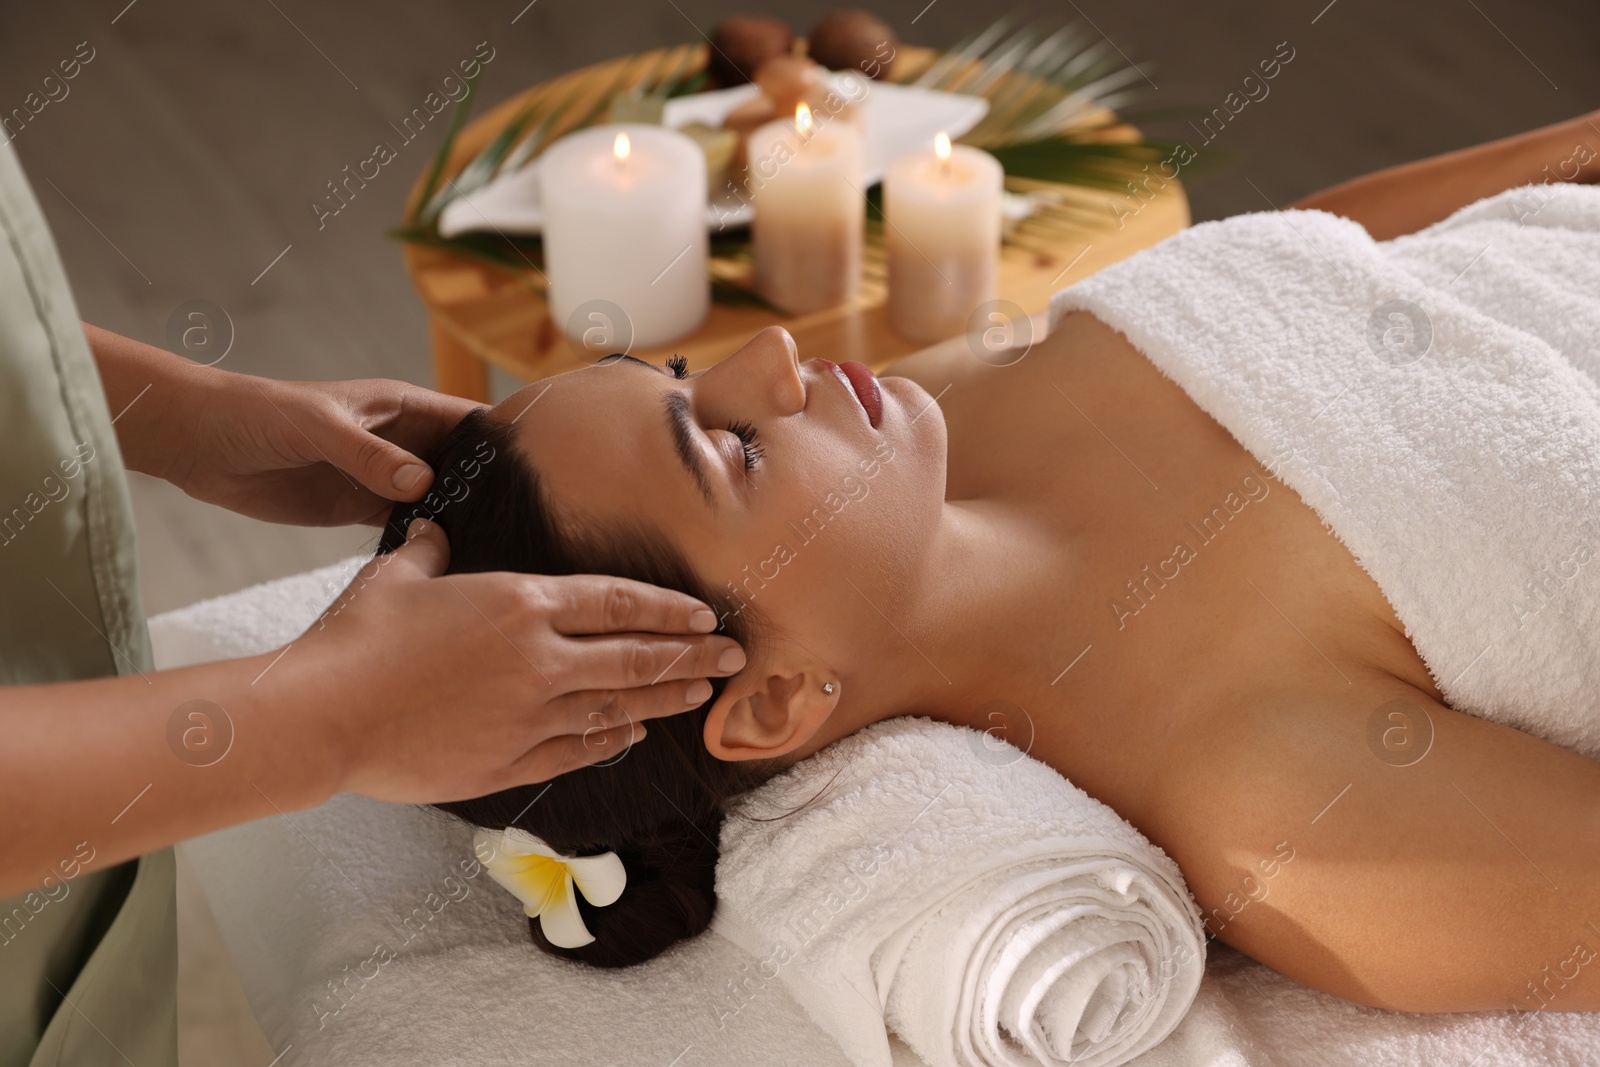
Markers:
{"x": 311, "y": 453}
{"x": 439, "y": 687}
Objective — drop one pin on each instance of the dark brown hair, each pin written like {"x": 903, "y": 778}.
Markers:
{"x": 659, "y": 805}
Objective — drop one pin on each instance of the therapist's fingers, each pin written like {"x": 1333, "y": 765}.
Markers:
{"x": 581, "y": 713}
{"x": 374, "y": 427}
{"x": 426, "y": 552}
{"x": 602, "y": 604}
{"x": 559, "y": 755}
{"x": 633, "y": 660}
{"x": 412, "y": 417}
{"x": 382, "y": 467}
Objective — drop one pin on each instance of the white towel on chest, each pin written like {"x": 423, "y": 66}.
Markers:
{"x": 1435, "y": 399}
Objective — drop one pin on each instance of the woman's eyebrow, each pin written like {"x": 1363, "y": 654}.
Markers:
{"x": 680, "y": 423}
{"x": 623, "y": 355}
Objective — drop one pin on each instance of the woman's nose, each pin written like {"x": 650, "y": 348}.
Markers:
{"x": 767, "y": 370}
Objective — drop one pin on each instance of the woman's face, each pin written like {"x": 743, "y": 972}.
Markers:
{"x": 766, "y": 473}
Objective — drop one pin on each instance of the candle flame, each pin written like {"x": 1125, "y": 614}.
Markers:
{"x": 620, "y": 147}
{"x": 802, "y": 119}
{"x": 941, "y": 146}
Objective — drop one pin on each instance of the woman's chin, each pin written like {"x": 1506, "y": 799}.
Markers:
{"x": 911, "y": 415}
{"x": 913, "y": 439}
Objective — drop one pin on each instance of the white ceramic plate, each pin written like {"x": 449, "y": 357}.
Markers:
{"x": 897, "y": 119}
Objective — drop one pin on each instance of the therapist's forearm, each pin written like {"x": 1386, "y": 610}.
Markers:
{"x": 1404, "y": 199}
{"x": 103, "y": 767}
{"x": 151, "y": 394}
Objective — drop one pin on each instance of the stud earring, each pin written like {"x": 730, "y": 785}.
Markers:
{"x": 827, "y": 687}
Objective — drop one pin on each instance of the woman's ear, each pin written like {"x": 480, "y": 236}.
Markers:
{"x": 764, "y": 714}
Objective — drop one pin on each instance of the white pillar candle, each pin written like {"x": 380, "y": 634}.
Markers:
{"x": 810, "y": 211}
{"x": 941, "y": 238}
{"x": 625, "y": 222}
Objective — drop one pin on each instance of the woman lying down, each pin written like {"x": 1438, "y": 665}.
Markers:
{"x": 1284, "y": 538}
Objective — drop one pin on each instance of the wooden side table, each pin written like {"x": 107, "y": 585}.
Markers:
{"x": 484, "y": 314}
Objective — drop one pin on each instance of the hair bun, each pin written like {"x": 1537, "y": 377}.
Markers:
{"x": 671, "y": 895}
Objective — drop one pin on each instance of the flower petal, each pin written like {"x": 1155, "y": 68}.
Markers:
{"x": 601, "y": 879}
{"x": 559, "y": 920}
{"x": 485, "y": 845}
{"x": 547, "y": 883}
{"x": 532, "y": 879}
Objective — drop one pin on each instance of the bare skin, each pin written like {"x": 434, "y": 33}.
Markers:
{"x": 1228, "y": 718}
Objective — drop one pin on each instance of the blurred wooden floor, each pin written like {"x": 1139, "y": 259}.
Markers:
{"x": 184, "y": 159}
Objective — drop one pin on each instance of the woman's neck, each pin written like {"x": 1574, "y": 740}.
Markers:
{"x": 982, "y": 624}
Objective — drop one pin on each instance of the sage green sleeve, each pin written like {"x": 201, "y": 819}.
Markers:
{"x": 88, "y": 964}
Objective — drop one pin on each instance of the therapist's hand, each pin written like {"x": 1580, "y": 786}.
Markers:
{"x": 312, "y": 453}
{"x": 308, "y": 453}
{"x": 420, "y": 687}
{"x": 416, "y": 687}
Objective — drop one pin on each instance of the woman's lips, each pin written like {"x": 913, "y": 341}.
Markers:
{"x": 865, "y": 387}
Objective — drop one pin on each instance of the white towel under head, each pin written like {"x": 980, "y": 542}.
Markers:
{"x": 988, "y": 911}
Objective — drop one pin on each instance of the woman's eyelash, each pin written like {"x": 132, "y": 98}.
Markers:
{"x": 746, "y": 434}
{"x": 679, "y": 366}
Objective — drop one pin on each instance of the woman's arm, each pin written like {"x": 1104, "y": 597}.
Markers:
{"x": 1392, "y": 851}
{"x": 1404, "y": 199}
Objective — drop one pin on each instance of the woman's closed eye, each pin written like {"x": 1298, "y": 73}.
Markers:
{"x": 749, "y": 440}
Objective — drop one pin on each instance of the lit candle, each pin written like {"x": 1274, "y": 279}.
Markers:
{"x": 810, "y": 211}
{"x": 942, "y": 238}
{"x": 625, "y": 222}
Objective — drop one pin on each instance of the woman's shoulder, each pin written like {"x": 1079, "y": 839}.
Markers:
{"x": 941, "y": 363}
{"x": 1010, "y": 342}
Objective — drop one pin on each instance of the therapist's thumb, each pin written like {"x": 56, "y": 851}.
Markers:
{"x": 385, "y": 468}
{"x": 426, "y": 548}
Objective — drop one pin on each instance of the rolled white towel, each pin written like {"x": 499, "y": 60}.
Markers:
{"x": 929, "y": 879}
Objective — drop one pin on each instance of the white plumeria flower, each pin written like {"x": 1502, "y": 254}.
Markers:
{"x": 547, "y": 882}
